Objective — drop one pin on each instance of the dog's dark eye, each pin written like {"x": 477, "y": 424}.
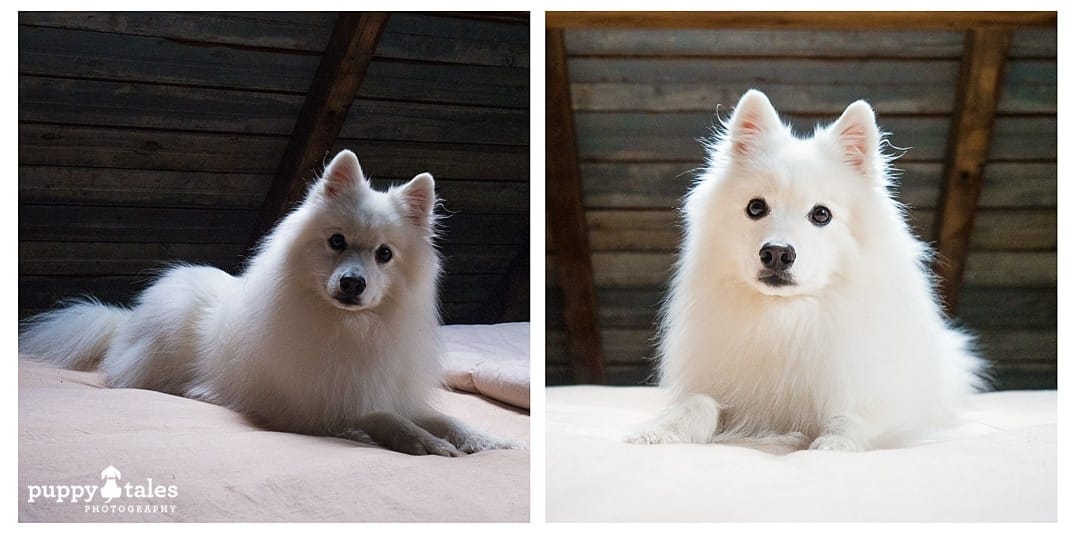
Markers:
{"x": 337, "y": 241}
{"x": 757, "y": 208}
{"x": 383, "y": 254}
{"x": 820, "y": 215}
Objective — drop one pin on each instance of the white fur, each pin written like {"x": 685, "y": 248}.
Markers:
{"x": 855, "y": 354}
{"x": 276, "y": 343}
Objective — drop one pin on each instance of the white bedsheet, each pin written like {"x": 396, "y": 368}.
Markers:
{"x": 491, "y": 360}
{"x": 1000, "y": 464}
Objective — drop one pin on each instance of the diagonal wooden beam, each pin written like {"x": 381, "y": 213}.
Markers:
{"x": 981, "y": 72}
{"x": 566, "y": 222}
{"x": 336, "y": 82}
{"x": 796, "y": 20}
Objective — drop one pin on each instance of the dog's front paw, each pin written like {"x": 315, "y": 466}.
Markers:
{"x": 655, "y": 436}
{"x": 427, "y": 445}
{"x": 477, "y": 442}
{"x": 835, "y": 442}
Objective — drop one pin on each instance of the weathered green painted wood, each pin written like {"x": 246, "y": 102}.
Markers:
{"x": 61, "y": 145}
{"x": 1017, "y": 97}
{"x": 124, "y": 104}
{"x": 1034, "y": 43}
{"x": 634, "y": 269}
{"x": 133, "y": 224}
{"x": 114, "y": 104}
{"x": 795, "y": 97}
{"x": 159, "y": 188}
{"x": 78, "y": 54}
{"x": 1023, "y": 138}
{"x": 447, "y": 83}
{"x": 306, "y": 31}
{"x": 764, "y": 43}
{"x": 408, "y": 36}
{"x": 74, "y": 53}
{"x": 753, "y": 71}
{"x": 457, "y": 40}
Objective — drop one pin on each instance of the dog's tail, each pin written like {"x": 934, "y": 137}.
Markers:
{"x": 75, "y": 336}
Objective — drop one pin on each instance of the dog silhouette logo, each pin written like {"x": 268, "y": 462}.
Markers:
{"x": 110, "y": 489}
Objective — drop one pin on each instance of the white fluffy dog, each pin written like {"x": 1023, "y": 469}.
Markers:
{"x": 801, "y": 309}
{"x": 330, "y": 330}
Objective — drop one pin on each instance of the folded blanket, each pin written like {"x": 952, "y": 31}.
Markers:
{"x": 492, "y": 360}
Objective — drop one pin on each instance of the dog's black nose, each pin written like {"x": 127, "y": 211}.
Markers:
{"x": 777, "y": 256}
{"x": 352, "y": 285}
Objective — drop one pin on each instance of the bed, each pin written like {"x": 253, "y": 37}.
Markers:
{"x": 998, "y": 464}
{"x": 175, "y": 459}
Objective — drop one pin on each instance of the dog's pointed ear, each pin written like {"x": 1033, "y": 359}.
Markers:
{"x": 857, "y": 134}
{"x": 418, "y": 199}
{"x": 753, "y": 120}
{"x": 342, "y": 174}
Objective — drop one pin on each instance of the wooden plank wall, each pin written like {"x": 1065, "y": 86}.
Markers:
{"x": 149, "y": 137}
{"x": 642, "y": 99}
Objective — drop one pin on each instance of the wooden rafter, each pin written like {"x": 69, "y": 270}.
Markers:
{"x": 780, "y": 20}
{"x": 566, "y": 222}
{"x": 981, "y": 73}
{"x": 336, "y": 82}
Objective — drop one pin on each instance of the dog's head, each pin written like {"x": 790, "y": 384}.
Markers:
{"x": 779, "y": 210}
{"x": 359, "y": 245}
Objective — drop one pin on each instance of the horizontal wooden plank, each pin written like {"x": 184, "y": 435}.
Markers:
{"x": 820, "y": 20}
{"x": 1030, "y": 87}
{"x": 796, "y": 97}
{"x": 420, "y": 122}
{"x": 159, "y": 188}
{"x": 1011, "y": 268}
{"x": 751, "y": 72}
{"x": 635, "y": 269}
{"x": 443, "y": 160}
{"x": 675, "y": 136}
{"x": 307, "y": 31}
{"x": 1034, "y": 42}
{"x": 119, "y": 104}
{"x": 61, "y": 145}
{"x": 427, "y": 37}
{"x": 1024, "y": 138}
{"x": 133, "y": 224}
{"x": 93, "y": 55}
{"x": 450, "y": 39}
{"x": 67, "y": 258}
{"x": 766, "y": 43}
{"x": 82, "y": 54}
{"x": 447, "y": 83}
{"x": 126, "y": 104}
{"x": 1003, "y": 308}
